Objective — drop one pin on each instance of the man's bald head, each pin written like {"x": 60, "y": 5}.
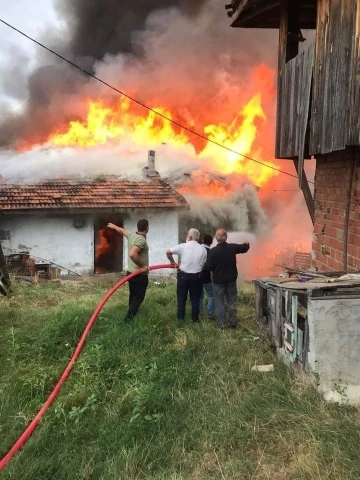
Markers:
{"x": 221, "y": 235}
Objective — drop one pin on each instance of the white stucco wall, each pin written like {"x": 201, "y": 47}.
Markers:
{"x": 334, "y": 339}
{"x": 55, "y": 238}
{"x": 52, "y": 238}
{"x": 163, "y": 234}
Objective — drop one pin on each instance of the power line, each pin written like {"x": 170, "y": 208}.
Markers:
{"x": 143, "y": 104}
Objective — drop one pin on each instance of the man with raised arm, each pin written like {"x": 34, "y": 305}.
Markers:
{"x": 222, "y": 262}
{"x": 138, "y": 259}
{"x": 192, "y": 257}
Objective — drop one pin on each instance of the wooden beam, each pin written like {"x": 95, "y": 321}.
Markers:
{"x": 4, "y": 274}
{"x": 352, "y": 175}
{"x": 252, "y": 13}
{"x": 278, "y": 311}
{"x": 255, "y": 13}
{"x": 303, "y": 108}
{"x": 239, "y": 9}
{"x": 283, "y": 29}
{"x": 293, "y": 27}
{"x": 306, "y": 191}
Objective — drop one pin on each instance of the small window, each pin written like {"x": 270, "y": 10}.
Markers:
{"x": 4, "y": 235}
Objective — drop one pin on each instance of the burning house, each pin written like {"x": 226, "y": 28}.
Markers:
{"x": 226, "y": 94}
{"x": 65, "y": 221}
{"x": 313, "y": 316}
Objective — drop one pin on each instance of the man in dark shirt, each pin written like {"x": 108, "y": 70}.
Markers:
{"x": 222, "y": 262}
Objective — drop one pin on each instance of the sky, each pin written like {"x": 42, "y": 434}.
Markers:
{"x": 33, "y": 18}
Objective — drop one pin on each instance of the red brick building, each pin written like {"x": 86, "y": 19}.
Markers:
{"x": 318, "y": 113}
{"x": 336, "y": 239}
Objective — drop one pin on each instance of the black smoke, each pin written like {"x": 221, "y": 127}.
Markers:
{"x": 98, "y": 27}
{"x": 94, "y": 28}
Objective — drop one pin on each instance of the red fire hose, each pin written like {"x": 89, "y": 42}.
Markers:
{"x": 34, "y": 423}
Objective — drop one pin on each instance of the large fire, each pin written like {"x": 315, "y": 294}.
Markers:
{"x": 106, "y": 123}
{"x": 245, "y": 130}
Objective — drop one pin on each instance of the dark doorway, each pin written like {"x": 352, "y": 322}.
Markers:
{"x": 108, "y": 250}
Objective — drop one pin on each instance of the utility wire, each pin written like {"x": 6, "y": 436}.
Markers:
{"x": 143, "y": 104}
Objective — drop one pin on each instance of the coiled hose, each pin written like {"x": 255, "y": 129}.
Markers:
{"x": 34, "y": 423}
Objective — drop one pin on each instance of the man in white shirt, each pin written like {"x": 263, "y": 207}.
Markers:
{"x": 192, "y": 257}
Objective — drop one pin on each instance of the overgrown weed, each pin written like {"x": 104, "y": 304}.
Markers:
{"x": 158, "y": 400}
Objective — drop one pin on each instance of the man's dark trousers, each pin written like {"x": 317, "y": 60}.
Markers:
{"x": 188, "y": 283}
{"x": 137, "y": 288}
{"x": 225, "y": 293}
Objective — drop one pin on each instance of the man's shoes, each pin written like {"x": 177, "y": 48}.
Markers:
{"x": 232, "y": 327}
{"x": 196, "y": 321}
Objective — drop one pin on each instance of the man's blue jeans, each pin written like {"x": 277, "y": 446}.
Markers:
{"x": 208, "y": 288}
{"x": 225, "y": 294}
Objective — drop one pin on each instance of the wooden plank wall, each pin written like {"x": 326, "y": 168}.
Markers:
{"x": 294, "y": 105}
{"x": 354, "y": 123}
{"x": 335, "y": 93}
{"x": 331, "y": 118}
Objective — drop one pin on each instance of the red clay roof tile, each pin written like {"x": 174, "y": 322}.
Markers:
{"x": 91, "y": 194}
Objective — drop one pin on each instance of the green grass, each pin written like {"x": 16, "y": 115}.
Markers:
{"x": 157, "y": 399}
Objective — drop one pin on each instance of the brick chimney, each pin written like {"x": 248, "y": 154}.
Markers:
{"x": 149, "y": 172}
{"x": 151, "y": 161}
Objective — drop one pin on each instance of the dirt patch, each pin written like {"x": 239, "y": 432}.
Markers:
{"x": 48, "y": 303}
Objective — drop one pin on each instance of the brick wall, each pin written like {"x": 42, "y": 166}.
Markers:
{"x": 337, "y": 182}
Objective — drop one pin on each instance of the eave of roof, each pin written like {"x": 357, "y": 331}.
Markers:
{"x": 266, "y": 14}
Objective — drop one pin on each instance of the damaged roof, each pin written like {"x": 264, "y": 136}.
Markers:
{"x": 102, "y": 194}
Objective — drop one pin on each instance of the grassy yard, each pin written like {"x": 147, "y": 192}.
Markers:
{"x": 157, "y": 399}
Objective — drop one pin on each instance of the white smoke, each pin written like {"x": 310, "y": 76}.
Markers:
{"x": 125, "y": 160}
{"x": 240, "y": 211}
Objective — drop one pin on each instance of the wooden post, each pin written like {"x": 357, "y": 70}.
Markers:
{"x": 277, "y": 333}
{"x": 352, "y": 180}
{"x": 258, "y": 302}
{"x": 307, "y": 192}
{"x": 293, "y": 29}
{"x": 4, "y": 274}
{"x": 283, "y": 28}
{"x": 288, "y": 49}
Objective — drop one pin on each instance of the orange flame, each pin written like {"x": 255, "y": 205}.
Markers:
{"x": 105, "y": 124}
